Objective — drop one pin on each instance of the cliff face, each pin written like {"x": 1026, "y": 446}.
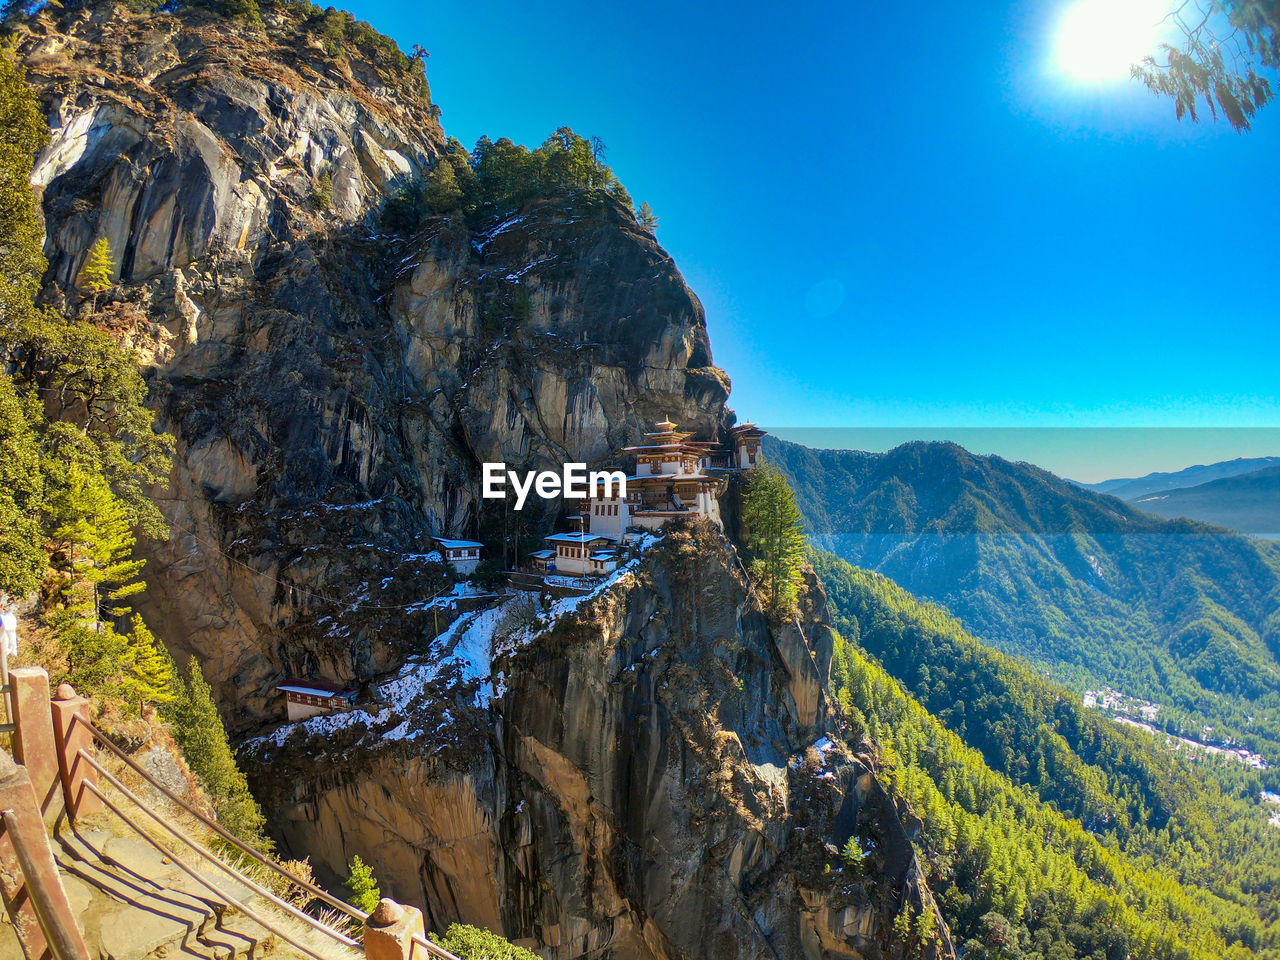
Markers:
{"x": 640, "y": 778}
{"x": 176, "y": 137}
{"x": 650, "y": 776}
{"x": 333, "y": 390}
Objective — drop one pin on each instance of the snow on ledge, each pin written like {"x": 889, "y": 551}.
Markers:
{"x": 466, "y": 648}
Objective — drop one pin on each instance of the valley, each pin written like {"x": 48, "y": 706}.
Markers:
{"x": 1084, "y": 585}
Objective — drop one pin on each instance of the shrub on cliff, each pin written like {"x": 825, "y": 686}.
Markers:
{"x": 365, "y": 892}
{"x": 322, "y": 195}
{"x": 472, "y": 943}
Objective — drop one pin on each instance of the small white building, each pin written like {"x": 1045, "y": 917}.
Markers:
{"x": 579, "y": 554}
{"x": 609, "y": 516}
{"x": 462, "y": 555}
{"x": 746, "y": 445}
{"x": 310, "y": 698}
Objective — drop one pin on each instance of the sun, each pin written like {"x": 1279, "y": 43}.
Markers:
{"x": 1098, "y": 40}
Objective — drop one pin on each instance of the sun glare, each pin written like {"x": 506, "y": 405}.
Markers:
{"x": 1098, "y": 40}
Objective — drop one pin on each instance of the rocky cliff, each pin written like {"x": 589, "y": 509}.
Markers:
{"x": 653, "y": 772}
{"x": 332, "y": 389}
{"x": 641, "y": 778}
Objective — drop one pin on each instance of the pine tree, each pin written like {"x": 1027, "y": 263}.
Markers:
{"x": 152, "y": 675}
{"x": 322, "y": 195}
{"x": 646, "y": 217}
{"x": 95, "y": 541}
{"x": 775, "y": 539}
{"x": 197, "y": 726}
{"x": 443, "y": 192}
{"x": 95, "y": 274}
{"x": 21, "y": 495}
{"x": 365, "y": 893}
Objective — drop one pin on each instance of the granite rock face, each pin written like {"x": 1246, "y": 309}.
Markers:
{"x": 333, "y": 389}
{"x": 655, "y": 775}
{"x": 641, "y": 780}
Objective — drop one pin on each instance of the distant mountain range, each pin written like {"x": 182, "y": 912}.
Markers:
{"x": 1241, "y": 494}
{"x": 1092, "y": 589}
{"x": 1130, "y": 488}
{"x": 1249, "y": 503}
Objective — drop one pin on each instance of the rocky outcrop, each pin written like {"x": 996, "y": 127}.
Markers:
{"x": 175, "y": 137}
{"x": 651, "y": 777}
{"x": 657, "y": 776}
{"x": 332, "y": 389}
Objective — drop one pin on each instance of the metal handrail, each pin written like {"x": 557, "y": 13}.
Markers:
{"x": 207, "y": 884}
{"x": 199, "y": 848}
{"x": 56, "y": 935}
{"x": 434, "y": 949}
{"x": 222, "y": 832}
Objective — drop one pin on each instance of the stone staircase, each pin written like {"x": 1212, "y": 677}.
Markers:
{"x": 133, "y": 903}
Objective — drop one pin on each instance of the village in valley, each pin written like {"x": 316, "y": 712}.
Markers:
{"x": 1143, "y": 715}
{"x": 676, "y": 477}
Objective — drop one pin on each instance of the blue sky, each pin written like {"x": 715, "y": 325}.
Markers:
{"x": 904, "y": 215}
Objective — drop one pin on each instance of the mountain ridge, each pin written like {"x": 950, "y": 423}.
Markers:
{"x": 1130, "y": 488}
{"x": 1083, "y": 584}
{"x": 1244, "y": 502}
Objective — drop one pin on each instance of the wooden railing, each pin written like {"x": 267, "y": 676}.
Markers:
{"x": 29, "y": 879}
{"x": 63, "y": 775}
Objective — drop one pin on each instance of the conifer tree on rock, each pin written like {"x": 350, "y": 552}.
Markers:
{"x": 198, "y": 728}
{"x": 775, "y": 539}
{"x": 365, "y": 892}
{"x": 152, "y": 679}
{"x": 95, "y": 274}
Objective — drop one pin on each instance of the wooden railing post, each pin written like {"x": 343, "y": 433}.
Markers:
{"x": 390, "y": 931}
{"x": 73, "y": 734}
{"x": 34, "y": 745}
{"x": 29, "y": 880}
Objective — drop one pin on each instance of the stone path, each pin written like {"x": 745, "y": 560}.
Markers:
{"x": 135, "y": 904}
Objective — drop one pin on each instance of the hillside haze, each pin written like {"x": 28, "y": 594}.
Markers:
{"x": 1132, "y": 488}
{"x": 1249, "y": 502}
{"x": 1090, "y": 588}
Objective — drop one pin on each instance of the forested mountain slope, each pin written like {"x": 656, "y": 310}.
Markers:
{"x": 1039, "y": 817}
{"x": 1085, "y": 585}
